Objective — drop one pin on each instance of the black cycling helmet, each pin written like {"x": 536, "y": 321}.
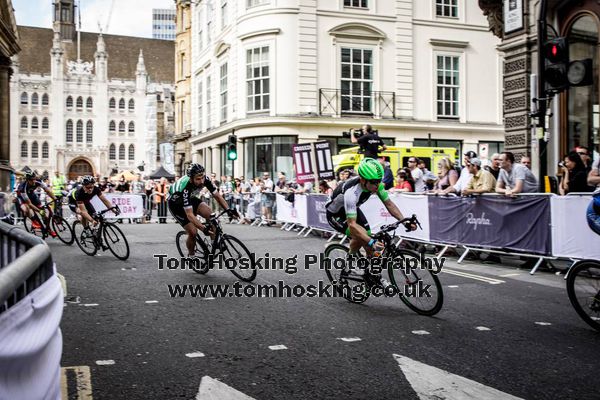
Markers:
{"x": 86, "y": 180}
{"x": 30, "y": 175}
{"x": 194, "y": 170}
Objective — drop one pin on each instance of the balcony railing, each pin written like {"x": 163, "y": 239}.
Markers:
{"x": 337, "y": 102}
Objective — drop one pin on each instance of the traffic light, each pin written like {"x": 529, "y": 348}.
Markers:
{"x": 232, "y": 147}
{"x": 556, "y": 54}
{"x": 581, "y": 72}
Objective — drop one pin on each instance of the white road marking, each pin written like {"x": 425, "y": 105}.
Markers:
{"x": 543, "y": 323}
{"x": 350, "y": 339}
{"x": 486, "y": 279}
{"x": 105, "y": 362}
{"x": 277, "y": 347}
{"x": 195, "y": 354}
{"x": 421, "y": 333}
{"x": 507, "y": 275}
{"x": 595, "y": 318}
{"x": 452, "y": 286}
{"x": 89, "y": 305}
{"x": 151, "y": 301}
{"x": 433, "y": 383}
{"x": 482, "y": 328}
{"x": 212, "y": 389}
{"x": 209, "y": 298}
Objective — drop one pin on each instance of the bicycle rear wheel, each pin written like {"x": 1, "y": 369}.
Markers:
{"x": 116, "y": 241}
{"x": 418, "y": 288}
{"x": 583, "y": 287}
{"x": 63, "y": 230}
{"x": 345, "y": 278}
{"x": 28, "y": 224}
{"x": 84, "y": 239}
{"x": 201, "y": 251}
{"x": 232, "y": 247}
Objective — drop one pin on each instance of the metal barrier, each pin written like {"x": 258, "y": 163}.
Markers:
{"x": 25, "y": 264}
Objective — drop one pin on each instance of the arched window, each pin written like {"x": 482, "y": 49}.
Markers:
{"x": 89, "y": 132}
{"x": 122, "y": 152}
{"x": 34, "y": 99}
{"x": 121, "y": 127}
{"x": 45, "y": 150}
{"x": 89, "y": 103}
{"x": 24, "y": 99}
{"x": 131, "y": 127}
{"x": 69, "y": 102}
{"x": 122, "y": 104}
{"x": 34, "y": 123}
{"x": 112, "y": 152}
{"x": 112, "y": 104}
{"x": 45, "y": 124}
{"x": 24, "y": 149}
{"x": 34, "y": 150}
{"x": 69, "y": 136}
{"x": 80, "y": 102}
{"x": 131, "y": 105}
{"x": 45, "y": 99}
{"x": 112, "y": 126}
{"x": 131, "y": 152}
{"x": 79, "y": 131}
{"x": 24, "y": 123}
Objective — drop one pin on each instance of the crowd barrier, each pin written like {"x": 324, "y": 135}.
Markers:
{"x": 31, "y": 305}
{"x": 543, "y": 226}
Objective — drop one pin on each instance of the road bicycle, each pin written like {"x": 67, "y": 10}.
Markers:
{"x": 583, "y": 287}
{"x": 228, "y": 246}
{"x": 105, "y": 235}
{"x": 408, "y": 276}
{"x": 43, "y": 225}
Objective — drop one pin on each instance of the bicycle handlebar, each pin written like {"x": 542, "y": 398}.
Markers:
{"x": 392, "y": 227}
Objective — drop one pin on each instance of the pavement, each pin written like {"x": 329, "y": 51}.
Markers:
{"x": 501, "y": 333}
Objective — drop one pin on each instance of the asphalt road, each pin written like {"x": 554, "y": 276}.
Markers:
{"x": 518, "y": 335}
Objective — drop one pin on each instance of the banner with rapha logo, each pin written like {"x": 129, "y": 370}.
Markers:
{"x": 512, "y": 224}
{"x": 317, "y": 216}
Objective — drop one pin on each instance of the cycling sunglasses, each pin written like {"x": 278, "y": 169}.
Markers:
{"x": 374, "y": 181}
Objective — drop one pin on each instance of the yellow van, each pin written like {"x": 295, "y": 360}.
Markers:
{"x": 397, "y": 156}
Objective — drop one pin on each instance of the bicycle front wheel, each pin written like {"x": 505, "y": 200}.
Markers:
{"x": 583, "y": 287}
{"x": 63, "y": 230}
{"x": 233, "y": 248}
{"x": 116, "y": 241}
{"x": 84, "y": 239}
{"x": 418, "y": 287}
{"x": 200, "y": 251}
{"x": 347, "y": 279}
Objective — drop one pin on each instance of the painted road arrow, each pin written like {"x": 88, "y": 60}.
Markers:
{"x": 431, "y": 383}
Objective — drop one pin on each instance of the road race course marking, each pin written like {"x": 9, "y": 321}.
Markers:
{"x": 482, "y": 328}
{"x": 90, "y": 305}
{"x": 507, "y": 275}
{"x": 81, "y": 385}
{"x": 433, "y": 383}
{"x": 453, "y": 286}
{"x": 421, "y": 333}
{"x": 278, "y": 347}
{"x": 491, "y": 281}
{"x": 543, "y": 323}
{"x": 195, "y": 354}
{"x": 212, "y": 389}
{"x": 151, "y": 301}
{"x": 349, "y": 339}
{"x": 105, "y": 362}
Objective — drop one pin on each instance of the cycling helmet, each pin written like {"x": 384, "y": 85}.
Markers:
{"x": 86, "y": 180}
{"x": 30, "y": 175}
{"x": 370, "y": 169}
{"x": 194, "y": 170}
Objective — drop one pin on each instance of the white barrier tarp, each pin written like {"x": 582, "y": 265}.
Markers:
{"x": 378, "y": 215}
{"x": 31, "y": 345}
{"x": 571, "y": 235}
{"x": 131, "y": 205}
{"x": 292, "y": 212}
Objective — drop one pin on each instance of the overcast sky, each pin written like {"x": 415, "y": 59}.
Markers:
{"x": 129, "y": 17}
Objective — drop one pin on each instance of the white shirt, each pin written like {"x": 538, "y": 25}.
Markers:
{"x": 417, "y": 175}
{"x": 463, "y": 180}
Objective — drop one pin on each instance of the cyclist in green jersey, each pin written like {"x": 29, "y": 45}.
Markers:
{"x": 343, "y": 210}
{"x": 184, "y": 203}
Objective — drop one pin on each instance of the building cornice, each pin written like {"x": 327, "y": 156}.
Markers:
{"x": 264, "y": 32}
{"x": 450, "y": 25}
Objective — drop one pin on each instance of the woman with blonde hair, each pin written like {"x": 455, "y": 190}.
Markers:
{"x": 447, "y": 175}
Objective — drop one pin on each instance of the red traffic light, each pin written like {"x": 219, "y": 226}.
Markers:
{"x": 554, "y": 50}
{"x": 557, "y": 50}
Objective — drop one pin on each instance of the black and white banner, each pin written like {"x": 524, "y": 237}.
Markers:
{"x": 324, "y": 160}
{"x": 302, "y": 163}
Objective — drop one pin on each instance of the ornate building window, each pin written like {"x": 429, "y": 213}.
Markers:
{"x": 24, "y": 152}
{"x": 112, "y": 126}
{"x": 131, "y": 127}
{"x": 69, "y": 102}
{"x": 45, "y": 99}
{"x": 34, "y": 123}
{"x": 45, "y": 150}
{"x": 79, "y": 134}
{"x": 112, "y": 104}
{"x": 121, "y": 127}
{"x": 89, "y": 132}
{"x": 34, "y": 99}
{"x": 357, "y": 80}
{"x": 131, "y": 152}
{"x": 122, "y": 152}
{"x": 122, "y": 104}
{"x": 112, "y": 152}
{"x": 69, "y": 132}
{"x": 446, "y": 8}
{"x": 45, "y": 124}
{"x": 35, "y": 150}
{"x": 24, "y": 123}
{"x": 24, "y": 99}
{"x": 131, "y": 105}
{"x": 89, "y": 103}
{"x": 223, "y": 92}
{"x": 257, "y": 79}
{"x": 79, "y": 102}
{"x": 447, "y": 86}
